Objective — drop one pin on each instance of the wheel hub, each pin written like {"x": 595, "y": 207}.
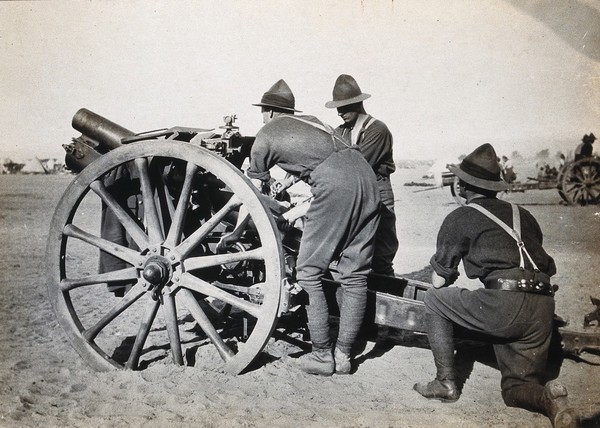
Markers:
{"x": 156, "y": 271}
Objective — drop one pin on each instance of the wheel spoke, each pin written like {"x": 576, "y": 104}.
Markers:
{"x": 577, "y": 175}
{"x": 572, "y": 192}
{"x": 136, "y": 233}
{"x": 195, "y": 238}
{"x": 150, "y": 210}
{"x": 119, "y": 251}
{"x": 165, "y": 204}
{"x": 578, "y": 194}
{"x": 594, "y": 192}
{"x": 170, "y": 316}
{"x": 142, "y": 335}
{"x": 174, "y": 236}
{"x": 195, "y": 309}
{"x": 590, "y": 193}
{"x": 135, "y": 293}
{"x": 202, "y": 262}
{"x": 108, "y": 277}
{"x": 203, "y": 287}
{"x": 594, "y": 180}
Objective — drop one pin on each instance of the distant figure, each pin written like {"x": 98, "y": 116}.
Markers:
{"x": 508, "y": 171}
{"x": 585, "y": 149}
{"x": 561, "y": 161}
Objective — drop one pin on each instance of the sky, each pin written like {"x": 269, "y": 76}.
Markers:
{"x": 444, "y": 76}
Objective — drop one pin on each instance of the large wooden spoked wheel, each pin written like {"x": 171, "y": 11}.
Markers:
{"x": 184, "y": 298}
{"x": 580, "y": 182}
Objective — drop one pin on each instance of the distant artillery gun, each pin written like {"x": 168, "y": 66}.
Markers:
{"x": 223, "y": 306}
{"x": 577, "y": 182}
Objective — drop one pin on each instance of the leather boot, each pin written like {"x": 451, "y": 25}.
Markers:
{"x": 319, "y": 362}
{"x": 557, "y": 406}
{"x": 440, "y": 333}
{"x": 342, "y": 362}
{"x": 444, "y": 390}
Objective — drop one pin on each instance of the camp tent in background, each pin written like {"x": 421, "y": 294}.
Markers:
{"x": 34, "y": 166}
{"x": 439, "y": 166}
{"x": 50, "y": 165}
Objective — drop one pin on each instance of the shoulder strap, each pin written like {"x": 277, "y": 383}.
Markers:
{"x": 515, "y": 232}
{"x": 323, "y": 127}
{"x": 366, "y": 123}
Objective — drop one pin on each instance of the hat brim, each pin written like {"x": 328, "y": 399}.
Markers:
{"x": 496, "y": 186}
{"x": 353, "y": 100}
{"x": 277, "y": 107}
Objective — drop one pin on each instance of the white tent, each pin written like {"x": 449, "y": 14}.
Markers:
{"x": 50, "y": 165}
{"x": 33, "y": 166}
{"x": 438, "y": 167}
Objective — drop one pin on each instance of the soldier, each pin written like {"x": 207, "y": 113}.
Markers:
{"x": 508, "y": 170}
{"x": 501, "y": 245}
{"x": 585, "y": 149}
{"x": 376, "y": 144}
{"x": 123, "y": 184}
{"x": 340, "y": 222}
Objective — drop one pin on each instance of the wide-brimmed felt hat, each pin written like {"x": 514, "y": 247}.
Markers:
{"x": 346, "y": 91}
{"x": 481, "y": 169}
{"x": 279, "y": 96}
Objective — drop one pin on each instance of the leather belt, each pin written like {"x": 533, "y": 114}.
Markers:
{"x": 525, "y": 285}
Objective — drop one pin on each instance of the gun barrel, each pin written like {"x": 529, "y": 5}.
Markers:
{"x": 108, "y": 134}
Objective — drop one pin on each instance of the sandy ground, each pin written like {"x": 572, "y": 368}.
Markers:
{"x": 44, "y": 382}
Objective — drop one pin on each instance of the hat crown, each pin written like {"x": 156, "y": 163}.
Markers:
{"x": 279, "y": 96}
{"x": 346, "y": 91}
{"x": 481, "y": 169}
{"x": 345, "y": 87}
{"x": 482, "y": 163}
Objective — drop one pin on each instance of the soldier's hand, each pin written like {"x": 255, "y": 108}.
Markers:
{"x": 281, "y": 185}
{"x": 438, "y": 281}
{"x": 276, "y": 188}
{"x": 226, "y": 242}
{"x": 284, "y": 224}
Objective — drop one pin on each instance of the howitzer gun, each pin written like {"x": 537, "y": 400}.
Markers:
{"x": 100, "y": 135}
{"x": 213, "y": 303}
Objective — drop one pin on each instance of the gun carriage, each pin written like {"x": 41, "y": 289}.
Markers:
{"x": 184, "y": 297}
